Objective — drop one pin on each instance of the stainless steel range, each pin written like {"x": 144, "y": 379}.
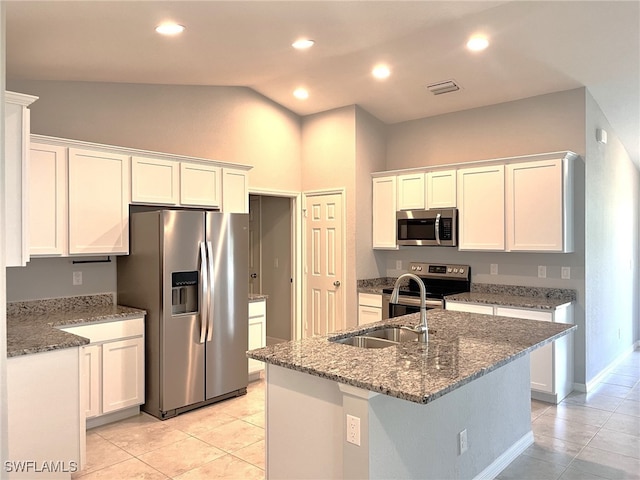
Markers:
{"x": 439, "y": 280}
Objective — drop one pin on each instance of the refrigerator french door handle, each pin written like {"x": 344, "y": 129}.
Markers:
{"x": 211, "y": 291}
{"x": 204, "y": 298}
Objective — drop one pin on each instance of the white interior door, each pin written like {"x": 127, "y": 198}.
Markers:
{"x": 255, "y": 232}
{"x": 324, "y": 264}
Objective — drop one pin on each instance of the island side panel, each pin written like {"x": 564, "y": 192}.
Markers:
{"x": 303, "y": 426}
{"x": 409, "y": 440}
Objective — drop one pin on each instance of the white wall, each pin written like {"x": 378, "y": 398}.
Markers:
{"x": 232, "y": 124}
{"x": 612, "y": 252}
{"x": 545, "y": 123}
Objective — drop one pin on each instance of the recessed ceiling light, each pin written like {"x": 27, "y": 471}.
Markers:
{"x": 303, "y": 44}
{"x": 477, "y": 43}
{"x": 301, "y": 93}
{"x": 381, "y": 71}
{"x": 170, "y": 29}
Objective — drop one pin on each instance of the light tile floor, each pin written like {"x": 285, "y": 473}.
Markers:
{"x": 586, "y": 437}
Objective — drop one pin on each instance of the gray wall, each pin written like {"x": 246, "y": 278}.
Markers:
{"x": 540, "y": 124}
{"x": 276, "y": 249}
{"x": 53, "y": 277}
{"x": 230, "y": 124}
{"x": 612, "y": 212}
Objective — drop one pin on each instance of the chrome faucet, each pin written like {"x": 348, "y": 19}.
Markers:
{"x": 422, "y": 327}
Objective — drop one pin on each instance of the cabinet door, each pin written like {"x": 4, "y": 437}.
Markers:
{"x": 98, "y": 202}
{"x": 441, "y": 189}
{"x": 368, "y": 314}
{"x": 411, "y": 192}
{"x": 535, "y": 208}
{"x": 154, "y": 181}
{"x": 257, "y": 332}
{"x": 200, "y": 185}
{"x": 48, "y": 200}
{"x": 384, "y": 213}
{"x": 235, "y": 191}
{"x": 122, "y": 374}
{"x": 481, "y": 204}
{"x": 541, "y": 358}
{"x": 91, "y": 385}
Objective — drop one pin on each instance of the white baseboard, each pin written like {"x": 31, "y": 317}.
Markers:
{"x": 112, "y": 417}
{"x": 584, "y": 388}
{"x": 503, "y": 461}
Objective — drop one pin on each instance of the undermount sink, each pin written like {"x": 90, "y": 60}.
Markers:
{"x": 384, "y": 337}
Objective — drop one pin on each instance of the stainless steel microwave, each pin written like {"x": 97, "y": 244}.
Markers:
{"x": 428, "y": 227}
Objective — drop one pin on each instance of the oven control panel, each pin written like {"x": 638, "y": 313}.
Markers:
{"x": 440, "y": 270}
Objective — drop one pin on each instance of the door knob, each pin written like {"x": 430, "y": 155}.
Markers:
{"x": 336, "y": 283}
{"x": 254, "y": 275}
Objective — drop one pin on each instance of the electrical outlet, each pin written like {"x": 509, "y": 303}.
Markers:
{"x": 565, "y": 273}
{"x": 398, "y": 264}
{"x": 353, "y": 430}
{"x": 462, "y": 441}
{"x": 77, "y": 278}
{"x": 542, "y": 271}
{"x": 494, "y": 269}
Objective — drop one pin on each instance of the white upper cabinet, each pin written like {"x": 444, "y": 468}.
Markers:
{"x": 411, "y": 192}
{"x": 16, "y": 177}
{"x": 538, "y": 207}
{"x": 235, "y": 191}
{"x": 200, "y": 185}
{"x": 441, "y": 189}
{"x": 155, "y": 181}
{"x": 481, "y": 221}
{"x": 48, "y": 221}
{"x": 384, "y": 212}
{"x": 98, "y": 202}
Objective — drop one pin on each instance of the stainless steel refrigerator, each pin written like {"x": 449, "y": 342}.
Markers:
{"x": 189, "y": 270}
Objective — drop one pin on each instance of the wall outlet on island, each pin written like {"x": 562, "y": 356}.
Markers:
{"x": 353, "y": 430}
{"x": 462, "y": 440}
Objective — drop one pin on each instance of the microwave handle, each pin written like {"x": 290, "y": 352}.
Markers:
{"x": 437, "y": 227}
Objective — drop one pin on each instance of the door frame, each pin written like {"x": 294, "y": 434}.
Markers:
{"x": 303, "y": 222}
{"x": 296, "y": 253}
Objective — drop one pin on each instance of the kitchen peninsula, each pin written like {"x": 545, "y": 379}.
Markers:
{"x": 458, "y": 407}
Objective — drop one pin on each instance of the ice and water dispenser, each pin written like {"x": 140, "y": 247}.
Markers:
{"x": 184, "y": 292}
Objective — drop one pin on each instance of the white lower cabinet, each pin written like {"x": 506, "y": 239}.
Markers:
{"x": 551, "y": 364}
{"x": 112, "y": 369}
{"x": 257, "y": 334}
{"x": 369, "y": 308}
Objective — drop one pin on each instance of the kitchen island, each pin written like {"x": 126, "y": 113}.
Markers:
{"x": 458, "y": 407}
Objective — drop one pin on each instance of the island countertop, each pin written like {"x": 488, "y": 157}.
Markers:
{"x": 462, "y": 347}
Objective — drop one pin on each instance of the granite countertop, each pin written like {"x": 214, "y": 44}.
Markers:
{"x": 462, "y": 347}
{"x": 516, "y": 296}
{"x": 32, "y": 326}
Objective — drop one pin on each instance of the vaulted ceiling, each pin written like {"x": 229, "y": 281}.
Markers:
{"x": 535, "y": 48}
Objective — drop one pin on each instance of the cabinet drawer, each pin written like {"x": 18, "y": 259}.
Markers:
{"x": 257, "y": 309}
{"x": 370, "y": 299}
{"x": 470, "y": 308}
{"x": 525, "y": 314}
{"x": 103, "y": 332}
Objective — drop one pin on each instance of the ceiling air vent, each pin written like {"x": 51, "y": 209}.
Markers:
{"x": 443, "y": 87}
